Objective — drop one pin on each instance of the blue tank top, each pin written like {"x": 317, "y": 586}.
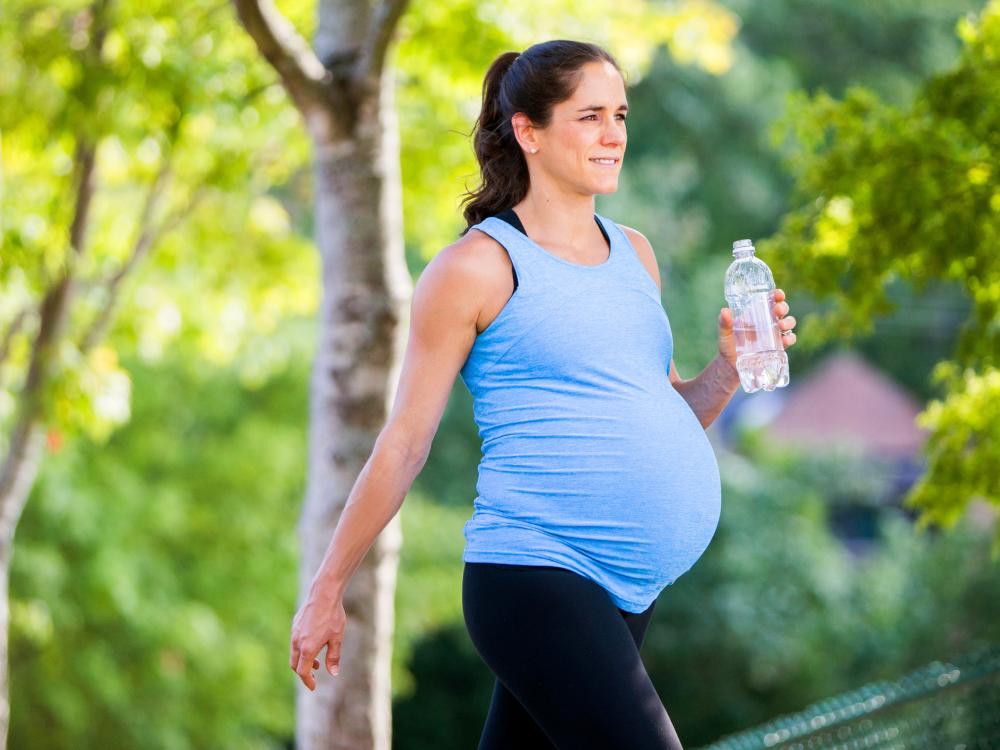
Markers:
{"x": 591, "y": 460}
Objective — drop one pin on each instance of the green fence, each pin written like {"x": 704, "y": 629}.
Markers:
{"x": 953, "y": 705}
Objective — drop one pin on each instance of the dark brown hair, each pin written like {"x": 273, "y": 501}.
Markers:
{"x": 531, "y": 82}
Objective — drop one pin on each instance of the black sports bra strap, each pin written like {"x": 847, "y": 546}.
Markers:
{"x": 510, "y": 216}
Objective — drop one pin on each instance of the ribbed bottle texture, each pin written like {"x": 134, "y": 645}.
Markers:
{"x": 761, "y": 358}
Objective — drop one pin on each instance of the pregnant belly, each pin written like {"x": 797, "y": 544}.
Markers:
{"x": 638, "y": 489}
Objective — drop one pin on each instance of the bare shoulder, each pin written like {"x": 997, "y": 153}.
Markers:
{"x": 472, "y": 261}
{"x": 478, "y": 251}
{"x": 644, "y": 250}
{"x": 470, "y": 272}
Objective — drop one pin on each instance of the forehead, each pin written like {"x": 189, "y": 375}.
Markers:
{"x": 600, "y": 82}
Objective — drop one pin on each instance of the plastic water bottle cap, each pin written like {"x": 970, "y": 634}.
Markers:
{"x": 742, "y": 245}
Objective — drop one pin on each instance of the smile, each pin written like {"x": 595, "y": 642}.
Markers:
{"x": 606, "y": 162}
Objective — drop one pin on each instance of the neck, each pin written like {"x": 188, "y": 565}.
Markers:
{"x": 557, "y": 217}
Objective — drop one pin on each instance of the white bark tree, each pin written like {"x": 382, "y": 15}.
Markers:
{"x": 344, "y": 89}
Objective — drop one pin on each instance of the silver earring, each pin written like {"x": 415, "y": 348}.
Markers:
{"x": 534, "y": 150}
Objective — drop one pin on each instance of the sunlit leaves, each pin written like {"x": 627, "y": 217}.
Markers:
{"x": 191, "y": 134}
{"x": 964, "y": 448}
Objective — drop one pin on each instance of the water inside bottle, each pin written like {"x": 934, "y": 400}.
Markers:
{"x": 761, "y": 359}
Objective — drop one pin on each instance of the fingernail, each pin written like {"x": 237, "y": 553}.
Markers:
{"x": 336, "y": 669}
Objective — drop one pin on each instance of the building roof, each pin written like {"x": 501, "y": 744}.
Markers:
{"x": 844, "y": 398}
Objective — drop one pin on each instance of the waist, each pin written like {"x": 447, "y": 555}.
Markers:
{"x": 632, "y": 562}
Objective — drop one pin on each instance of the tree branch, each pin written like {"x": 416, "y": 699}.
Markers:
{"x": 143, "y": 241}
{"x": 17, "y": 469}
{"x": 253, "y": 93}
{"x": 171, "y": 222}
{"x": 54, "y": 308}
{"x": 307, "y": 81}
{"x": 85, "y": 155}
{"x": 384, "y": 21}
{"x": 20, "y": 464}
{"x": 12, "y": 330}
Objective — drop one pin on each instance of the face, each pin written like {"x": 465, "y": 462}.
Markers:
{"x": 587, "y": 126}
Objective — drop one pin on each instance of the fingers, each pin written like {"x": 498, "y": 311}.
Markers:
{"x": 781, "y": 305}
{"x": 332, "y": 664}
{"x": 333, "y": 657}
{"x": 308, "y": 628}
{"x": 788, "y": 323}
{"x": 302, "y": 669}
{"x": 302, "y": 655}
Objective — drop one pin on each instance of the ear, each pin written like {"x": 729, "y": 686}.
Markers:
{"x": 524, "y": 131}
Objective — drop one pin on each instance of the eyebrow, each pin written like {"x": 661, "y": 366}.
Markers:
{"x": 599, "y": 108}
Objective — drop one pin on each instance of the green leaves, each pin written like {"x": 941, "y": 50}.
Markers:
{"x": 963, "y": 448}
{"x": 184, "y": 237}
{"x": 912, "y": 194}
{"x": 154, "y": 577}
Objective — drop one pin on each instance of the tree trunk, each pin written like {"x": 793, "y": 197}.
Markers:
{"x": 21, "y": 463}
{"x": 17, "y": 476}
{"x": 345, "y": 92}
{"x": 363, "y": 319}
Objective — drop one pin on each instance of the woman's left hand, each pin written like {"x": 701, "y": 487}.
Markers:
{"x": 727, "y": 342}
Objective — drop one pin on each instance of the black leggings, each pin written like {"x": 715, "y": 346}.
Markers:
{"x": 566, "y": 659}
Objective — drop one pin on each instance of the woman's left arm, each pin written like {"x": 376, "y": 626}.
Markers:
{"x": 708, "y": 393}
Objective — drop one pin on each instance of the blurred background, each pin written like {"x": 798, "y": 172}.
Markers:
{"x": 154, "y": 569}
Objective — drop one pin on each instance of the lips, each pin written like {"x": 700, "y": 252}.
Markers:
{"x": 610, "y": 161}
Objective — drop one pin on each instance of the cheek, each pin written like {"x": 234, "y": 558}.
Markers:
{"x": 571, "y": 146}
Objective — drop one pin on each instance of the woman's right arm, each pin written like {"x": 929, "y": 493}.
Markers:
{"x": 444, "y": 311}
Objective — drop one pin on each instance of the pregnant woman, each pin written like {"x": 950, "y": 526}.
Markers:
{"x": 597, "y": 486}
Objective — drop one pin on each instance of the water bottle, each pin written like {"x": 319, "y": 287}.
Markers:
{"x": 760, "y": 354}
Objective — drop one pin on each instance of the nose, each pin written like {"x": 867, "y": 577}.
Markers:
{"x": 614, "y": 133}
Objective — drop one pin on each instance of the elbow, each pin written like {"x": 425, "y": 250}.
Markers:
{"x": 402, "y": 448}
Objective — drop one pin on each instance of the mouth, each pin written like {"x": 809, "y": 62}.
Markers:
{"x": 610, "y": 162}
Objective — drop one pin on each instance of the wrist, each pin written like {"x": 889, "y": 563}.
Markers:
{"x": 326, "y": 590}
{"x": 730, "y": 373}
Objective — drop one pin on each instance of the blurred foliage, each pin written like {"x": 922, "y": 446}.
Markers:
{"x": 190, "y": 132}
{"x": 884, "y": 193}
{"x": 790, "y": 616}
{"x": 154, "y": 578}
